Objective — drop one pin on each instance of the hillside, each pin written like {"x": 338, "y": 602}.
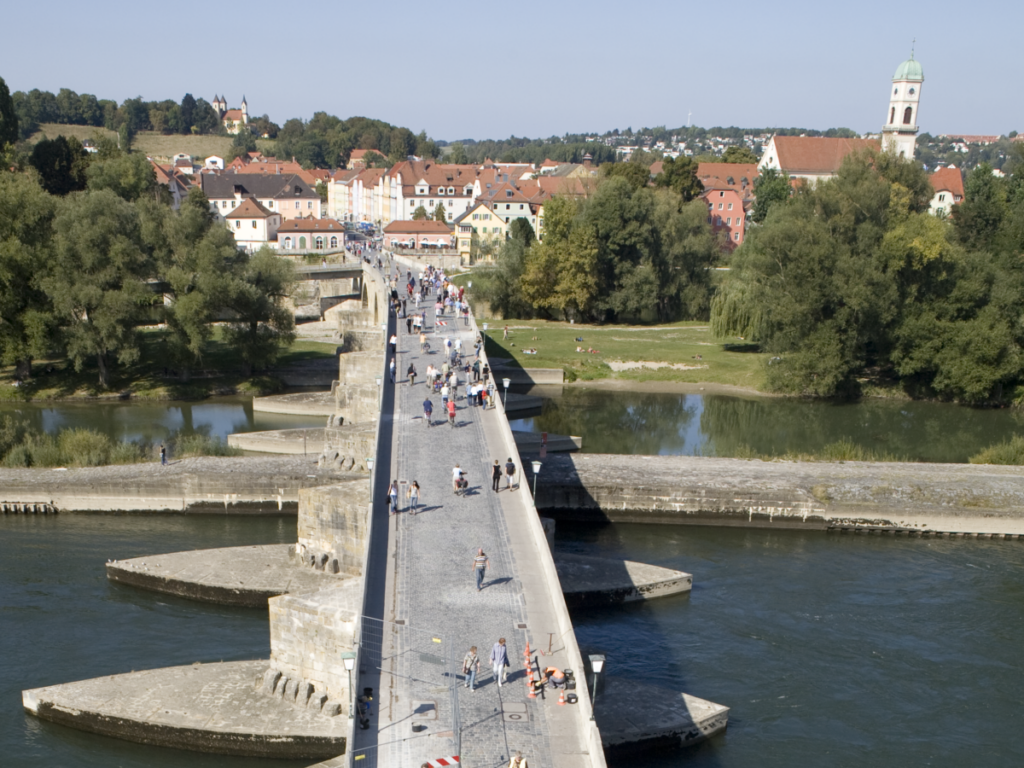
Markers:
{"x": 156, "y": 145}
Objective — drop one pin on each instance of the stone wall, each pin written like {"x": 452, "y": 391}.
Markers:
{"x": 309, "y": 632}
{"x": 357, "y": 394}
{"x": 333, "y": 523}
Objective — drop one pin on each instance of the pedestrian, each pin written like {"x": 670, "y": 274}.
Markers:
{"x": 518, "y": 761}
{"x": 408, "y": 325}
{"x": 480, "y": 568}
{"x": 411, "y": 373}
{"x": 499, "y": 660}
{"x": 414, "y": 496}
{"x": 476, "y": 370}
{"x": 393, "y": 343}
{"x": 428, "y": 410}
{"x": 470, "y": 668}
{"x": 451, "y": 413}
{"x": 423, "y": 342}
{"x": 163, "y": 456}
{"x": 495, "y": 476}
{"x": 392, "y": 369}
{"x": 504, "y": 334}
{"x": 456, "y": 477}
{"x": 393, "y": 497}
{"x": 510, "y": 473}
{"x": 445, "y": 391}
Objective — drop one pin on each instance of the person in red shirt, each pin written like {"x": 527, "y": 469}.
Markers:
{"x": 451, "y": 412}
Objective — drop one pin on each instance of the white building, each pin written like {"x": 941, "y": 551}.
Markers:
{"x": 900, "y": 131}
{"x": 253, "y": 225}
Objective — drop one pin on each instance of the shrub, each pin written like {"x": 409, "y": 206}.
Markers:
{"x": 186, "y": 446}
{"x": 82, "y": 448}
{"x": 1009, "y": 452}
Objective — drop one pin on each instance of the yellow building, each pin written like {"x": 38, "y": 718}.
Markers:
{"x": 481, "y": 221}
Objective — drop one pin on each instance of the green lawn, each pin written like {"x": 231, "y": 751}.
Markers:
{"x": 219, "y": 374}
{"x": 722, "y": 361}
{"x": 153, "y": 144}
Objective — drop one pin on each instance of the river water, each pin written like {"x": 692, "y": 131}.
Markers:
{"x": 830, "y": 649}
{"x": 155, "y": 421}
{"x": 722, "y": 425}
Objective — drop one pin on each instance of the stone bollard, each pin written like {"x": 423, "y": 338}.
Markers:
{"x": 334, "y": 566}
{"x": 317, "y": 701}
{"x": 281, "y": 687}
{"x": 290, "y": 690}
{"x": 331, "y": 708}
{"x": 305, "y": 691}
{"x": 270, "y": 678}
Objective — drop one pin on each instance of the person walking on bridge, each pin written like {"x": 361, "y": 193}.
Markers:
{"x": 428, "y": 410}
{"x": 480, "y": 568}
{"x": 499, "y": 660}
{"x": 495, "y": 476}
{"x": 470, "y": 668}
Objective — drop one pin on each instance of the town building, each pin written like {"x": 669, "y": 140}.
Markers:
{"x": 253, "y": 225}
{"x": 482, "y": 222}
{"x": 726, "y": 214}
{"x": 948, "y": 186}
{"x": 311, "y": 235}
{"x": 810, "y": 158}
{"x": 900, "y": 131}
{"x": 417, "y": 235}
{"x": 233, "y": 120}
{"x": 287, "y": 195}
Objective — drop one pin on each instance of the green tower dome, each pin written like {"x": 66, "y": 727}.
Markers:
{"x": 909, "y": 70}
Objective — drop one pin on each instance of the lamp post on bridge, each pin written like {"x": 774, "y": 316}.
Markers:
{"x": 596, "y": 664}
{"x": 536, "y": 471}
{"x": 506, "y": 381}
{"x": 349, "y": 659}
{"x": 369, "y": 468}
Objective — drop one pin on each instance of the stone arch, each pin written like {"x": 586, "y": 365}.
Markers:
{"x": 302, "y": 243}
{"x": 908, "y": 113}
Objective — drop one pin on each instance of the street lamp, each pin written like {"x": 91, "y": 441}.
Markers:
{"x": 349, "y": 658}
{"x": 369, "y": 468}
{"x": 596, "y": 664}
{"x": 536, "y": 471}
{"x": 506, "y": 382}
{"x": 379, "y": 380}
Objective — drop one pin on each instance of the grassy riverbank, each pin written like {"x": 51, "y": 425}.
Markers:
{"x": 680, "y": 352}
{"x": 153, "y": 378}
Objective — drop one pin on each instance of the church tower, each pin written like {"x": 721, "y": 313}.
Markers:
{"x": 900, "y": 131}
{"x": 245, "y": 111}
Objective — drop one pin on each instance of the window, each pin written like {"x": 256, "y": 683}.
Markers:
{"x": 430, "y": 203}
{"x": 309, "y": 204}
{"x": 223, "y": 203}
{"x": 506, "y": 219}
{"x": 451, "y": 190}
{"x": 508, "y": 193}
{"x": 942, "y": 198}
{"x": 450, "y": 202}
{"x": 486, "y": 216}
{"x": 728, "y": 220}
{"x": 287, "y": 243}
{"x": 270, "y": 203}
{"x": 507, "y": 206}
{"x": 334, "y": 242}
{"x": 450, "y": 215}
{"x": 474, "y": 229}
{"x": 520, "y": 206}
{"x": 254, "y": 223}
{"x": 892, "y": 115}
{"x": 907, "y": 114}
{"x": 911, "y": 91}
{"x": 721, "y": 194}
{"x": 297, "y": 204}
{"x": 412, "y": 203}
{"x": 736, "y": 236}
{"x": 476, "y": 216}
{"x": 319, "y": 243}
{"x": 238, "y": 224}
{"x": 233, "y": 204}
{"x": 719, "y": 206}
{"x": 730, "y": 206}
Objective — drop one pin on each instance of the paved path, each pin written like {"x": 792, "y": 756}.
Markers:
{"x": 430, "y": 589}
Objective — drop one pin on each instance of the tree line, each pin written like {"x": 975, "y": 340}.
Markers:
{"x": 89, "y": 248}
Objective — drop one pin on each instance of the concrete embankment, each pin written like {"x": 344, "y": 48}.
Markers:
{"x": 249, "y": 576}
{"x": 296, "y": 404}
{"x": 210, "y": 485}
{"x": 202, "y": 707}
{"x": 957, "y": 499}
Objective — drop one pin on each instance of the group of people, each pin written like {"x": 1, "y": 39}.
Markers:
{"x": 412, "y": 493}
{"x": 496, "y": 473}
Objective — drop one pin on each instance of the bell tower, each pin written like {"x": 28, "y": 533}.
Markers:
{"x": 900, "y": 131}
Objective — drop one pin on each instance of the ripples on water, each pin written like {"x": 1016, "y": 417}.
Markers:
{"x": 831, "y": 650}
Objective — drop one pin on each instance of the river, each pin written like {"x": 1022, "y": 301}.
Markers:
{"x": 154, "y": 421}
{"x": 830, "y": 649}
{"x": 726, "y": 426}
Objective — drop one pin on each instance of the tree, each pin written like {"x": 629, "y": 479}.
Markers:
{"x": 375, "y": 159}
{"x": 8, "y": 121}
{"x": 739, "y": 154}
{"x": 26, "y": 218}
{"x": 501, "y": 285}
{"x": 979, "y": 217}
{"x": 125, "y": 136}
{"x": 61, "y": 164}
{"x": 457, "y": 155}
{"x": 419, "y": 214}
{"x": 130, "y": 177}
{"x": 205, "y": 119}
{"x": 522, "y": 231}
{"x": 243, "y": 143}
{"x": 637, "y": 175}
{"x": 680, "y": 175}
{"x": 771, "y": 188}
{"x": 256, "y": 295}
{"x": 439, "y": 212}
{"x": 186, "y": 114}
{"x": 97, "y": 280}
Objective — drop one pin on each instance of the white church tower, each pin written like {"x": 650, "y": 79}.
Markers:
{"x": 900, "y": 131}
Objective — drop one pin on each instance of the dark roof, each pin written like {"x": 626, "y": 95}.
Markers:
{"x": 221, "y": 186}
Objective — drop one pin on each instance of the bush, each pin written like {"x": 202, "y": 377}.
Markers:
{"x": 1010, "y": 452}
{"x": 127, "y": 453}
{"x": 187, "y": 446}
{"x": 83, "y": 448}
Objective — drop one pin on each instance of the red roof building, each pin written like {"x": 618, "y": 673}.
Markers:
{"x": 948, "y": 186}
{"x": 811, "y": 158}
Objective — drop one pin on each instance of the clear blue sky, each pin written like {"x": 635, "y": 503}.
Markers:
{"x": 538, "y": 68}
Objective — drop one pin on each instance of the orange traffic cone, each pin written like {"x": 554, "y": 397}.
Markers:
{"x": 526, "y": 653}
{"x": 561, "y": 698}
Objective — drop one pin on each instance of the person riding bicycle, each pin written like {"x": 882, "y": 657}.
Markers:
{"x": 428, "y": 410}
{"x": 456, "y": 477}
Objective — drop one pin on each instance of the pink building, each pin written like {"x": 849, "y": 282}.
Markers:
{"x": 726, "y": 214}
